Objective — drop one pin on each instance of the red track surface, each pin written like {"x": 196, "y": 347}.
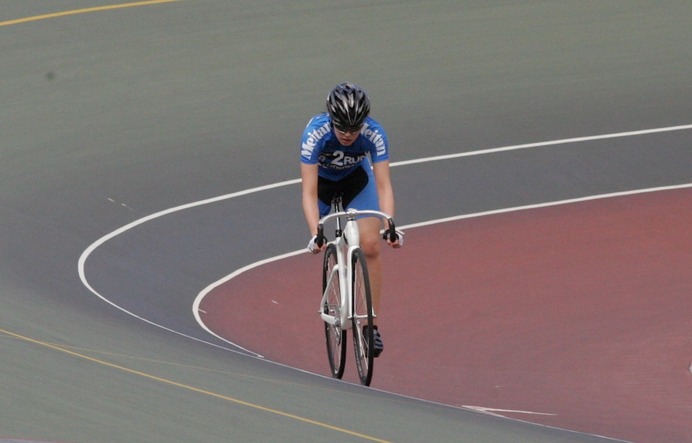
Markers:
{"x": 580, "y": 311}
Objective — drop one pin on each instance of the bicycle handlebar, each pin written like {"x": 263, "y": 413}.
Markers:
{"x": 389, "y": 234}
{"x": 320, "y": 239}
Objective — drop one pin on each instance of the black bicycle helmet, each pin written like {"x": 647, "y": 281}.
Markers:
{"x": 348, "y": 106}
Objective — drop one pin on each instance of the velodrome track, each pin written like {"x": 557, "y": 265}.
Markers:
{"x": 112, "y": 117}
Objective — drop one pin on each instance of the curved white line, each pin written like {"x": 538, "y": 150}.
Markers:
{"x": 200, "y": 297}
{"x": 89, "y": 250}
{"x": 542, "y": 144}
{"x": 554, "y": 203}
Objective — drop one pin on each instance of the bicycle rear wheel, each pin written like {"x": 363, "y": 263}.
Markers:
{"x": 336, "y": 337}
{"x": 362, "y": 318}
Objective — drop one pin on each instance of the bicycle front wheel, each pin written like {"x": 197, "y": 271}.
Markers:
{"x": 336, "y": 337}
{"x": 362, "y": 318}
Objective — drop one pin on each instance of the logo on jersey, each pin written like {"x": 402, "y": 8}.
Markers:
{"x": 376, "y": 138}
{"x": 339, "y": 160}
{"x": 312, "y": 139}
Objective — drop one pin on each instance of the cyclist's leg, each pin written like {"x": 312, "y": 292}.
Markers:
{"x": 370, "y": 243}
{"x": 369, "y": 228}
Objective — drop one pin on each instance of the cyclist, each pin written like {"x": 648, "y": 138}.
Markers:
{"x": 344, "y": 151}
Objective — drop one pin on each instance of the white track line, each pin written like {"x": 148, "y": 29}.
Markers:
{"x": 494, "y": 411}
{"x": 200, "y": 297}
{"x": 542, "y": 144}
{"x": 208, "y": 289}
{"x": 88, "y": 251}
{"x": 547, "y": 204}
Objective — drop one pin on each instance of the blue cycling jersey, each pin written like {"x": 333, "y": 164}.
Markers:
{"x": 321, "y": 147}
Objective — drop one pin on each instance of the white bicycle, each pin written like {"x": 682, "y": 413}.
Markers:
{"x": 346, "y": 300}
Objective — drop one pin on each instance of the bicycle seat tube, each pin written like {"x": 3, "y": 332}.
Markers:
{"x": 336, "y": 207}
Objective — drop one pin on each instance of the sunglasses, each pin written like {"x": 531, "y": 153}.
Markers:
{"x": 348, "y": 130}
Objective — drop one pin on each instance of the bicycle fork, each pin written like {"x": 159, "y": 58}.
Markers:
{"x": 341, "y": 273}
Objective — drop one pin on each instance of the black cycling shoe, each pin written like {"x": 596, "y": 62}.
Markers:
{"x": 378, "y": 346}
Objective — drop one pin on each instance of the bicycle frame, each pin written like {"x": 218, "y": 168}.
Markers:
{"x": 344, "y": 260}
{"x": 346, "y": 242}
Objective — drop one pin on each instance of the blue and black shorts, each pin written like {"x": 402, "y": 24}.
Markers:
{"x": 357, "y": 191}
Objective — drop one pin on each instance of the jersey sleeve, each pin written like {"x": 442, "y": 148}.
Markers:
{"x": 311, "y": 141}
{"x": 377, "y": 136}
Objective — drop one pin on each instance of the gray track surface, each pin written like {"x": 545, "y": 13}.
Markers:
{"x": 111, "y": 116}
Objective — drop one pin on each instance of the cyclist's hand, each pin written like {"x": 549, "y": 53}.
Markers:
{"x": 399, "y": 242}
{"x": 313, "y": 247}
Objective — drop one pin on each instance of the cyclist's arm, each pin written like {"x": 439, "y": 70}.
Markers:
{"x": 385, "y": 191}
{"x": 308, "y": 174}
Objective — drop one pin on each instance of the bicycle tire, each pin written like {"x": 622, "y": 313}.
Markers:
{"x": 335, "y": 335}
{"x": 362, "y": 326}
